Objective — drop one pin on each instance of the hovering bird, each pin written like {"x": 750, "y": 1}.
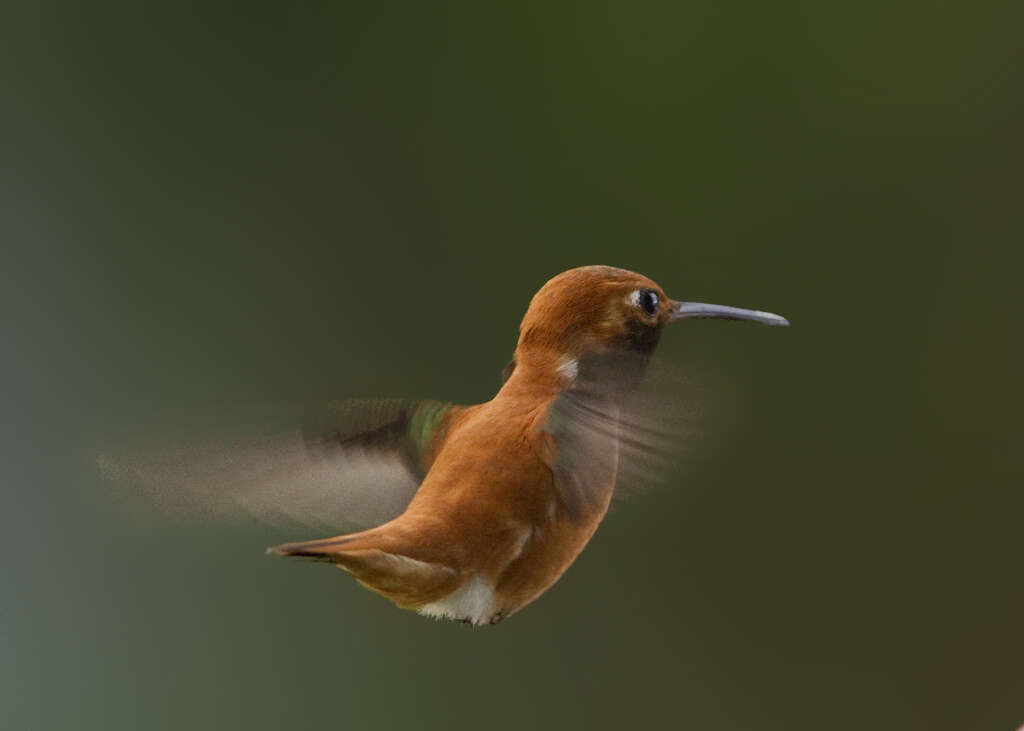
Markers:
{"x": 495, "y": 501}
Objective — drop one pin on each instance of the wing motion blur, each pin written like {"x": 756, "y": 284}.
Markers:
{"x": 353, "y": 464}
{"x": 606, "y": 425}
{"x": 356, "y": 464}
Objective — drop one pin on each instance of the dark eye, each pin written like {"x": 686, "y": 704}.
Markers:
{"x": 647, "y": 300}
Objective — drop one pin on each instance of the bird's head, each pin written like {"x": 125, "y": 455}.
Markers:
{"x": 587, "y": 314}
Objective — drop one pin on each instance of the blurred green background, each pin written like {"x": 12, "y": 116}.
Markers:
{"x": 207, "y": 206}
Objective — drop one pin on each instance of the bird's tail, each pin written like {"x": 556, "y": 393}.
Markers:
{"x": 326, "y": 549}
{"x": 408, "y": 582}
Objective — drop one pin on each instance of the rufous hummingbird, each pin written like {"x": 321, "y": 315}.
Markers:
{"x": 496, "y": 500}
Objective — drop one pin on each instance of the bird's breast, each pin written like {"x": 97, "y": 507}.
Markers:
{"x": 489, "y": 509}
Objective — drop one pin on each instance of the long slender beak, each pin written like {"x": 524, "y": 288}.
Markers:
{"x": 684, "y": 310}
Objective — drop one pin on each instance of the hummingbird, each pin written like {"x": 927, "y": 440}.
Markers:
{"x": 491, "y": 503}
{"x": 468, "y": 513}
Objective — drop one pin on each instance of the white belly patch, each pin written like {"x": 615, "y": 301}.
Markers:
{"x": 472, "y": 602}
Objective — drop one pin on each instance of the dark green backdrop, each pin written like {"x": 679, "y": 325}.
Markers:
{"x": 206, "y": 207}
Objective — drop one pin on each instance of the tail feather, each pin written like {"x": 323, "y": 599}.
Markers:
{"x": 408, "y": 582}
{"x": 325, "y": 549}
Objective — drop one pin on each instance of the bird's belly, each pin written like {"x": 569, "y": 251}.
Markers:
{"x": 533, "y": 562}
{"x": 551, "y": 551}
{"x": 472, "y": 602}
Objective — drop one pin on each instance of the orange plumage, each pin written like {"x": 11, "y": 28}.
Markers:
{"x": 515, "y": 487}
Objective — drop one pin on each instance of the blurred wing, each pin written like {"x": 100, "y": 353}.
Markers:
{"x": 353, "y": 464}
{"x": 410, "y": 432}
{"x": 609, "y": 438}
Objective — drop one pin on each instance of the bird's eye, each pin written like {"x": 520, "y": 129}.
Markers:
{"x": 647, "y": 300}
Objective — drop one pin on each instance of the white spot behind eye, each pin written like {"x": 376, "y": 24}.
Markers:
{"x": 634, "y": 297}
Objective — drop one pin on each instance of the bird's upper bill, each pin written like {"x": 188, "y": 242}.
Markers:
{"x": 685, "y": 310}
